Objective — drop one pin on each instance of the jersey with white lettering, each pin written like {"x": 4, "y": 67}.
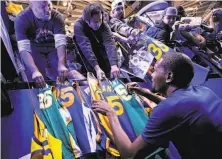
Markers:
{"x": 135, "y": 110}
{"x": 101, "y": 138}
{"x": 106, "y": 92}
{"x": 81, "y": 116}
{"x": 51, "y": 117}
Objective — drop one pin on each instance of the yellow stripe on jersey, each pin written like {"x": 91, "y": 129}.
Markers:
{"x": 55, "y": 93}
{"x": 44, "y": 145}
{"x": 76, "y": 150}
{"x": 98, "y": 135}
{"x": 105, "y": 122}
{"x": 96, "y": 94}
{"x": 113, "y": 151}
{"x": 65, "y": 115}
{"x": 79, "y": 93}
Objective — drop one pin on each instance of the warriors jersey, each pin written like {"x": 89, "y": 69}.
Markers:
{"x": 106, "y": 92}
{"x": 43, "y": 144}
{"x": 134, "y": 109}
{"x": 51, "y": 117}
{"x": 80, "y": 115}
{"x": 101, "y": 138}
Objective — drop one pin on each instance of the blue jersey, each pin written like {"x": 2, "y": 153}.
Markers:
{"x": 106, "y": 92}
{"x": 51, "y": 117}
{"x": 134, "y": 109}
{"x": 101, "y": 137}
{"x": 81, "y": 116}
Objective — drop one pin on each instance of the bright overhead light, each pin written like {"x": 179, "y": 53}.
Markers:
{"x": 65, "y": 3}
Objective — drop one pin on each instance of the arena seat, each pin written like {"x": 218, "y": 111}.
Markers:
{"x": 154, "y": 6}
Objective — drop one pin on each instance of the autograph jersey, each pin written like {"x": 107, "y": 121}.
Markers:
{"x": 80, "y": 115}
{"x": 134, "y": 109}
{"x": 101, "y": 138}
{"x": 106, "y": 92}
{"x": 43, "y": 144}
{"x": 51, "y": 117}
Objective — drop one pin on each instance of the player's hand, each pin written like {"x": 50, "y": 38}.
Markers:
{"x": 38, "y": 79}
{"x": 132, "y": 86}
{"x": 99, "y": 73}
{"x": 102, "y": 107}
{"x": 115, "y": 71}
{"x": 62, "y": 72}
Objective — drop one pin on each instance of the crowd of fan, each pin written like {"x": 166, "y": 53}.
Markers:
{"x": 98, "y": 35}
{"x": 189, "y": 116}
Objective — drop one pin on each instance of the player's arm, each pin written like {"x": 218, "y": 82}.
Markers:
{"x": 145, "y": 92}
{"x": 148, "y": 94}
{"x": 137, "y": 149}
{"x": 126, "y": 148}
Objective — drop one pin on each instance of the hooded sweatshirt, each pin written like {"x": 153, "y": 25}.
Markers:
{"x": 98, "y": 46}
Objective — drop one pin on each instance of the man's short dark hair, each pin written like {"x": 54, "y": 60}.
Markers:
{"x": 91, "y": 9}
{"x": 181, "y": 66}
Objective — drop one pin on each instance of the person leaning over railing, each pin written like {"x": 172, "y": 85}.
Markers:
{"x": 40, "y": 34}
{"x": 122, "y": 31}
{"x": 96, "y": 42}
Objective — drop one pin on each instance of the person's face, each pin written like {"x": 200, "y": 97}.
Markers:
{"x": 42, "y": 9}
{"x": 183, "y": 13}
{"x": 159, "y": 78}
{"x": 118, "y": 13}
{"x": 169, "y": 19}
{"x": 95, "y": 21}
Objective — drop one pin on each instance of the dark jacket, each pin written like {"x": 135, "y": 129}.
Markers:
{"x": 161, "y": 32}
{"x": 97, "y": 46}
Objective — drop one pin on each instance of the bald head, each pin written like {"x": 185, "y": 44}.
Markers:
{"x": 41, "y": 9}
{"x": 181, "y": 66}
